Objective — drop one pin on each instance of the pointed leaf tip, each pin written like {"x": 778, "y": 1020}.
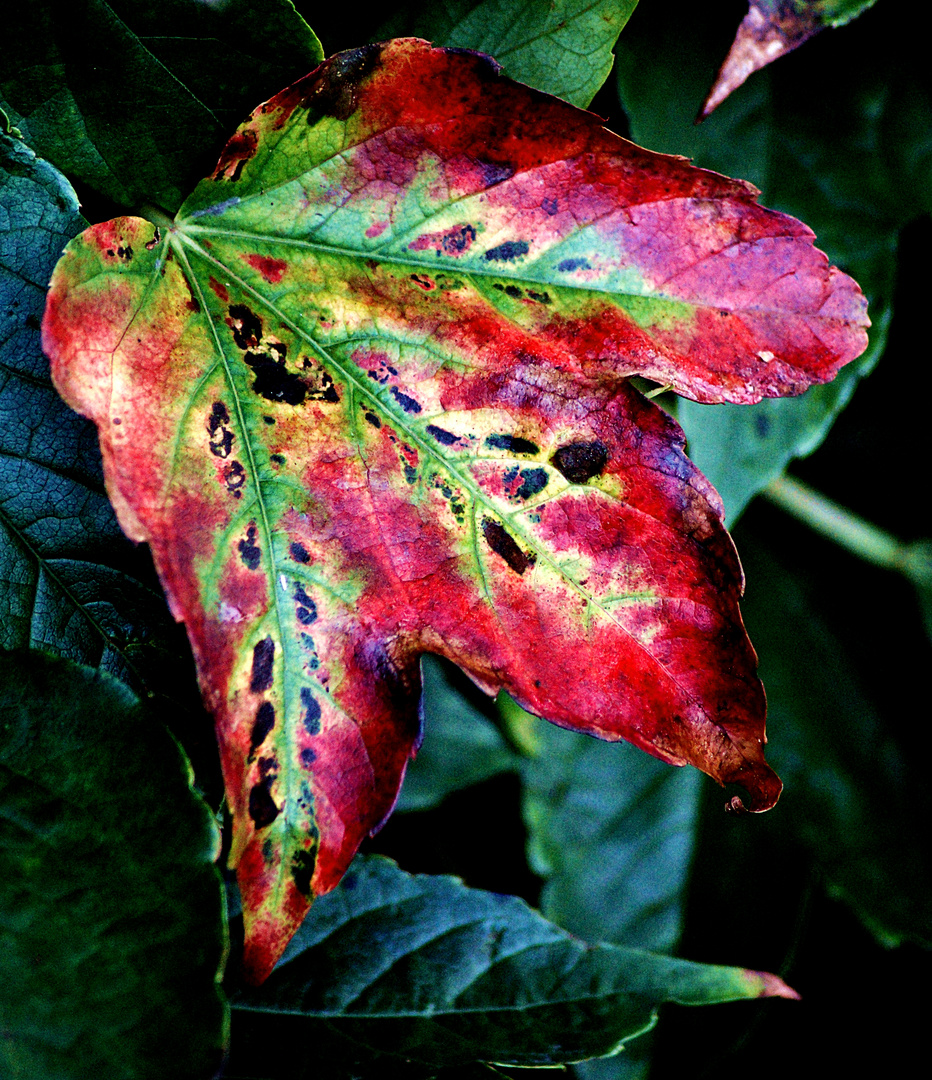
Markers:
{"x": 770, "y": 985}
{"x": 368, "y": 398}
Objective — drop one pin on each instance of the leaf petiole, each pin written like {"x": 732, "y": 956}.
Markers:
{"x": 851, "y": 532}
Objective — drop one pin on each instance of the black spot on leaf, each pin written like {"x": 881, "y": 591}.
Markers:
{"x": 502, "y": 543}
{"x": 274, "y": 381}
{"x": 246, "y": 326}
{"x": 511, "y": 443}
{"x": 509, "y": 251}
{"x": 234, "y": 476}
{"x": 302, "y": 870}
{"x": 573, "y": 264}
{"x": 263, "y": 657}
{"x": 494, "y": 172}
{"x": 407, "y": 403}
{"x": 221, "y": 438}
{"x": 532, "y": 481}
{"x": 580, "y": 461}
{"x": 299, "y": 553}
{"x": 249, "y": 550}
{"x": 262, "y": 808}
{"x": 264, "y": 722}
{"x": 373, "y": 419}
{"x": 312, "y": 711}
{"x": 445, "y": 438}
{"x": 333, "y": 92}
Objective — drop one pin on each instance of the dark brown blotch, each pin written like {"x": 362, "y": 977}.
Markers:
{"x": 302, "y": 867}
{"x": 249, "y": 550}
{"x": 246, "y": 326}
{"x": 263, "y": 659}
{"x": 335, "y": 88}
{"x": 221, "y": 437}
{"x": 274, "y": 381}
{"x": 234, "y": 476}
{"x": 262, "y": 726}
{"x": 580, "y": 461}
{"x": 503, "y": 543}
{"x": 262, "y": 807}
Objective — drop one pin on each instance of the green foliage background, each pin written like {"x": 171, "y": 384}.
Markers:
{"x": 126, "y": 104}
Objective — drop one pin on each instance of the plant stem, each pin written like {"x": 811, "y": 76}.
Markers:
{"x": 848, "y": 530}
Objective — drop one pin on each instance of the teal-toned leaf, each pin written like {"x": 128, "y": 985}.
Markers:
{"x": 67, "y": 581}
{"x": 771, "y": 29}
{"x": 429, "y": 971}
{"x": 824, "y": 139}
{"x": 844, "y": 797}
{"x": 461, "y": 745}
{"x": 563, "y": 47}
{"x": 111, "y": 911}
{"x": 611, "y": 831}
{"x": 136, "y": 97}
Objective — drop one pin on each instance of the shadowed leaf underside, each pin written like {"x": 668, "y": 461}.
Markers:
{"x": 367, "y": 398}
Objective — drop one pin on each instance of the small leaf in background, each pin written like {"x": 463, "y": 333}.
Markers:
{"x": 365, "y": 398}
{"x": 187, "y": 73}
{"x": 461, "y": 745}
{"x": 71, "y": 582}
{"x": 611, "y": 831}
{"x": 111, "y": 937}
{"x": 771, "y": 29}
{"x": 65, "y": 564}
{"x": 562, "y": 47}
{"x": 838, "y": 136}
{"x": 845, "y": 797}
{"x": 454, "y": 975}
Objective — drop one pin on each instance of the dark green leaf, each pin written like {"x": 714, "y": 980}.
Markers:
{"x": 563, "y": 47}
{"x": 429, "y": 971}
{"x": 111, "y": 932}
{"x": 137, "y": 97}
{"x": 68, "y": 575}
{"x": 844, "y": 796}
{"x": 611, "y": 830}
{"x": 823, "y": 135}
{"x": 461, "y": 745}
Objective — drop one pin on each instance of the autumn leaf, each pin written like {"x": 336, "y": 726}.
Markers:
{"x": 771, "y": 29}
{"x": 367, "y": 397}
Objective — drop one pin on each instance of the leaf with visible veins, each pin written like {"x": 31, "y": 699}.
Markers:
{"x": 367, "y": 397}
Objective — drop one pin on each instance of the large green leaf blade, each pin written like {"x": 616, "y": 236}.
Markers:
{"x": 111, "y": 933}
{"x": 846, "y": 802}
{"x": 366, "y": 398}
{"x": 72, "y": 584}
{"x": 456, "y": 975}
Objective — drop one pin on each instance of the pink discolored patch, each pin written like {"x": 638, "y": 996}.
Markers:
{"x": 220, "y": 289}
{"x": 456, "y": 241}
{"x": 376, "y": 230}
{"x": 273, "y": 270}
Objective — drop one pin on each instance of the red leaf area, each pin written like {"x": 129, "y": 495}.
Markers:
{"x": 367, "y": 399}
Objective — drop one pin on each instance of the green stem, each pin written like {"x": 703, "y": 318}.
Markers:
{"x": 848, "y": 530}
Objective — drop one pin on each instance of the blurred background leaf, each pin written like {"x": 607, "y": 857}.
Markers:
{"x": 111, "y": 931}
{"x": 136, "y": 98}
{"x": 563, "y": 47}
